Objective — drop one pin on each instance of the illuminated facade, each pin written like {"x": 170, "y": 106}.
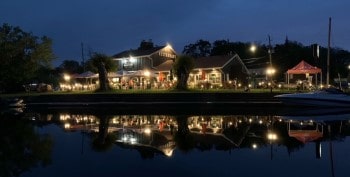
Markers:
{"x": 148, "y": 64}
{"x": 218, "y": 72}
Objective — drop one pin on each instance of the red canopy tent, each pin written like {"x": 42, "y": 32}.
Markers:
{"x": 305, "y": 136}
{"x": 304, "y": 68}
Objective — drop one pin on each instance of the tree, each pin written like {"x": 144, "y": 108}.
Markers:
{"x": 182, "y": 68}
{"x": 21, "y": 56}
{"x": 201, "y": 48}
{"x": 70, "y": 66}
{"x": 102, "y": 64}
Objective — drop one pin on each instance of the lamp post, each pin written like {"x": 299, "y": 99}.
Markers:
{"x": 147, "y": 75}
{"x": 66, "y": 78}
{"x": 270, "y": 71}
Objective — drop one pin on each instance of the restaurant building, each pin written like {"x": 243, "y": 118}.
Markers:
{"x": 223, "y": 71}
{"x": 148, "y": 66}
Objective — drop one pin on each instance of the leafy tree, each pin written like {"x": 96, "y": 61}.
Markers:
{"x": 182, "y": 68}
{"x": 21, "y": 56}
{"x": 201, "y": 48}
{"x": 102, "y": 64}
{"x": 221, "y": 47}
{"x": 71, "y": 67}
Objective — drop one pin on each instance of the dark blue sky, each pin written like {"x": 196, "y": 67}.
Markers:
{"x": 110, "y": 26}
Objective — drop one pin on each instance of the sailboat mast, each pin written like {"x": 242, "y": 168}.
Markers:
{"x": 329, "y": 48}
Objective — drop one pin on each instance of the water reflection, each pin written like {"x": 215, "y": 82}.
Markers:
{"x": 22, "y": 147}
{"x": 162, "y": 135}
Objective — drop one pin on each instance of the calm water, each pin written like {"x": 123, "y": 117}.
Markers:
{"x": 72, "y": 143}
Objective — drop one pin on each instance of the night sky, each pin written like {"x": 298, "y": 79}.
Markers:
{"x": 111, "y": 26}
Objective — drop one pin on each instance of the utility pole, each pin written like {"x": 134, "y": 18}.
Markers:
{"x": 270, "y": 51}
{"x": 329, "y": 48}
{"x": 270, "y": 70}
{"x": 82, "y": 56}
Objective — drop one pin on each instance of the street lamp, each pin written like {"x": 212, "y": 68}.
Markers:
{"x": 67, "y": 78}
{"x": 270, "y": 71}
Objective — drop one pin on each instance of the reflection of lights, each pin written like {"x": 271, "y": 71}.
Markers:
{"x": 250, "y": 120}
{"x": 129, "y": 139}
{"x": 66, "y": 125}
{"x": 271, "y": 136}
{"x": 133, "y": 140}
{"x": 168, "y": 152}
{"x": 254, "y": 146}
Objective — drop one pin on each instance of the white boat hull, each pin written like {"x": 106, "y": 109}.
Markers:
{"x": 320, "y": 99}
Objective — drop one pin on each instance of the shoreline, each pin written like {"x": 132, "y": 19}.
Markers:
{"x": 152, "y": 99}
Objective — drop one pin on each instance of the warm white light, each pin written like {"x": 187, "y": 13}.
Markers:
{"x": 147, "y": 73}
{"x": 253, "y": 48}
{"x": 270, "y": 71}
{"x": 271, "y": 136}
{"x": 147, "y": 131}
{"x": 254, "y": 146}
{"x": 66, "y": 77}
{"x": 66, "y": 125}
{"x": 132, "y": 59}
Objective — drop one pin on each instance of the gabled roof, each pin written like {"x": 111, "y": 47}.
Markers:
{"x": 303, "y": 68}
{"x": 136, "y": 53}
{"x": 165, "y": 66}
{"x": 212, "y": 61}
{"x": 218, "y": 62}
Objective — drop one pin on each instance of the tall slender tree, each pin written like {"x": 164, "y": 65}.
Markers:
{"x": 102, "y": 64}
{"x": 182, "y": 68}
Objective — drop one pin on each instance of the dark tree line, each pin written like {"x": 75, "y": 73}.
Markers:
{"x": 284, "y": 56}
{"x": 24, "y": 57}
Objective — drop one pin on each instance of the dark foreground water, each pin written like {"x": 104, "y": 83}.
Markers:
{"x": 66, "y": 143}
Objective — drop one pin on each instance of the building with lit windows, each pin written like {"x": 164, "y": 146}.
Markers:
{"x": 218, "y": 71}
{"x": 148, "y": 66}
